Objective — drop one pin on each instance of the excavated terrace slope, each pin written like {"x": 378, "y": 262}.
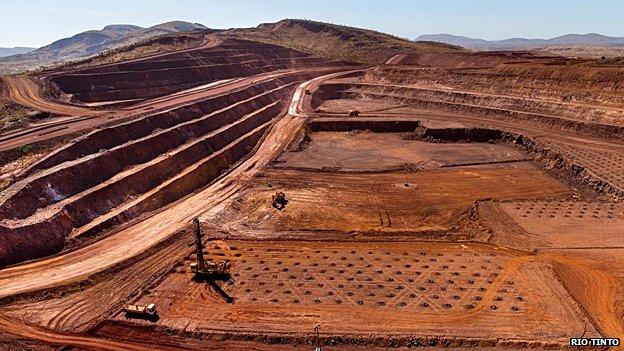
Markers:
{"x": 561, "y": 134}
{"x": 117, "y": 173}
{"x": 164, "y": 74}
{"x": 597, "y": 120}
{"x": 584, "y": 166}
{"x": 578, "y": 84}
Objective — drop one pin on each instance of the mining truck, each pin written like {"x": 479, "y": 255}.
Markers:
{"x": 201, "y": 268}
{"x": 354, "y": 113}
{"x": 140, "y": 311}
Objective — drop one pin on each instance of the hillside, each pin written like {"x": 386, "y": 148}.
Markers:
{"x": 593, "y": 39}
{"x": 4, "y": 52}
{"x": 91, "y": 43}
{"x": 153, "y": 46}
{"x": 336, "y": 42}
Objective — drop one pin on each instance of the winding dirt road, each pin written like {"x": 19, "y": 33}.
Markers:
{"x": 396, "y": 59}
{"x": 25, "y": 91}
{"x": 79, "y": 120}
{"x": 132, "y": 241}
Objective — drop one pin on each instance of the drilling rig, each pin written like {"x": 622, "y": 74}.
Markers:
{"x": 317, "y": 341}
{"x": 202, "y": 269}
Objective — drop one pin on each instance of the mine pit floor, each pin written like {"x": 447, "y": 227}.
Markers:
{"x": 366, "y": 288}
{"x": 421, "y": 204}
{"x": 366, "y": 151}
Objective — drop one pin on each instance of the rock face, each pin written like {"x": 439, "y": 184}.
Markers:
{"x": 165, "y": 74}
{"x": 117, "y": 173}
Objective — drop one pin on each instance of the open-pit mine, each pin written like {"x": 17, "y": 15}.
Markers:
{"x": 243, "y": 193}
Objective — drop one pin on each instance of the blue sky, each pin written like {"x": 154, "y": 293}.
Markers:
{"x": 37, "y": 23}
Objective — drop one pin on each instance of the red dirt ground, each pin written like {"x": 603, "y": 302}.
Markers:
{"x": 475, "y": 203}
{"x": 372, "y": 288}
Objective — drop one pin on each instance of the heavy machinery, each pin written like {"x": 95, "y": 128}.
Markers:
{"x": 202, "y": 269}
{"x": 140, "y": 311}
{"x": 317, "y": 341}
{"x": 354, "y": 113}
{"x": 210, "y": 269}
{"x": 279, "y": 200}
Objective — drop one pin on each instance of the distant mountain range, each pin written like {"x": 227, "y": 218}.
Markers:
{"x": 91, "y": 43}
{"x": 4, "y": 52}
{"x": 519, "y": 43}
